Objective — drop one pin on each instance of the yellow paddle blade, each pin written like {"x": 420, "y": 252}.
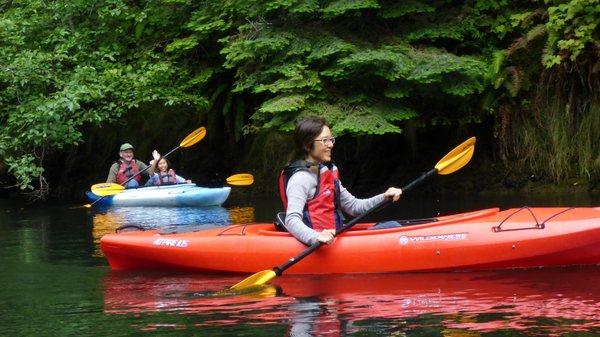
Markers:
{"x": 193, "y": 137}
{"x": 255, "y": 280}
{"x": 106, "y": 189}
{"x": 241, "y": 179}
{"x": 457, "y": 158}
{"x": 263, "y": 290}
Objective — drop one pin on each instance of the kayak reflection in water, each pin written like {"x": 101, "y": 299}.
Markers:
{"x": 549, "y": 302}
{"x": 311, "y": 191}
{"x": 165, "y": 175}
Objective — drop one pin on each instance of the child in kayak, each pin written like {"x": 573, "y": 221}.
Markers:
{"x": 164, "y": 174}
{"x": 311, "y": 191}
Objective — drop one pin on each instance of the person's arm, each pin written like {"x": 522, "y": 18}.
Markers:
{"x": 354, "y": 206}
{"x": 112, "y": 173}
{"x": 152, "y": 180}
{"x": 182, "y": 180}
{"x": 301, "y": 187}
{"x": 153, "y": 163}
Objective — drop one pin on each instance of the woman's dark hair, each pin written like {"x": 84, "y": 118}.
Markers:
{"x": 306, "y": 131}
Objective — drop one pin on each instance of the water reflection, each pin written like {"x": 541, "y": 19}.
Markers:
{"x": 108, "y": 220}
{"x": 550, "y": 301}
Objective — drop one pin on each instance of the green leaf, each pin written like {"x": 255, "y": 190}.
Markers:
{"x": 181, "y": 45}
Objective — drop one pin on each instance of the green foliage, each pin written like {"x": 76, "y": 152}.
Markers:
{"x": 250, "y": 65}
{"x": 75, "y": 63}
{"x": 301, "y": 62}
{"x": 345, "y": 7}
{"x": 282, "y": 104}
{"x": 573, "y": 27}
{"x": 544, "y": 147}
{"x": 327, "y": 48}
{"x": 25, "y": 169}
{"x": 182, "y": 45}
{"x": 543, "y": 108}
{"x": 375, "y": 119}
{"x": 403, "y": 8}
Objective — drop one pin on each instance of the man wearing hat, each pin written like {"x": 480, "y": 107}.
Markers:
{"x": 126, "y": 167}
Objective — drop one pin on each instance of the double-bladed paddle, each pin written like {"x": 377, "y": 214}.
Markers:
{"x": 106, "y": 189}
{"x": 452, "y": 162}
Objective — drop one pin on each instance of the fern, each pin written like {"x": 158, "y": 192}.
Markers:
{"x": 450, "y": 30}
{"x": 397, "y": 91}
{"x": 384, "y": 62}
{"x": 282, "y": 104}
{"x": 238, "y": 51}
{"x": 523, "y": 42}
{"x": 326, "y": 48}
{"x": 345, "y": 7}
{"x": 305, "y": 7}
{"x": 289, "y": 77}
{"x": 431, "y": 64}
{"x": 403, "y": 8}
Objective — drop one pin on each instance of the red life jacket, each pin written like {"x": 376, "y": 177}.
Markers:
{"x": 323, "y": 210}
{"x": 169, "y": 178}
{"x": 127, "y": 171}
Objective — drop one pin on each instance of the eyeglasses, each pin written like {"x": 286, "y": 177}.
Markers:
{"x": 325, "y": 140}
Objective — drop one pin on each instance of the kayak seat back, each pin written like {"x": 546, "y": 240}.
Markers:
{"x": 280, "y": 221}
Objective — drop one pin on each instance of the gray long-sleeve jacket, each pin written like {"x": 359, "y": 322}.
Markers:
{"x": 302, "y": 187}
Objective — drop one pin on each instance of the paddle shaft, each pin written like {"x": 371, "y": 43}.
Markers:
{"x": 280, "y": 269}
{"x": 137, "y": 174}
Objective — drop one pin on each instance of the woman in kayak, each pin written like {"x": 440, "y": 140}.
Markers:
{"x": 311, "y": 191}
{"x": 164, "y": 174}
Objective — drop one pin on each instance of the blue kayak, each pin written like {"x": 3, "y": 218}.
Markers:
{"x": 168, "y": 195}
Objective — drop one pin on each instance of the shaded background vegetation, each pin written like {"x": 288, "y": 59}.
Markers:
{"x": 400, "y": 81}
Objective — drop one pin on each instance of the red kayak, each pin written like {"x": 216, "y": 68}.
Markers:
{"x": 485, "y": 239}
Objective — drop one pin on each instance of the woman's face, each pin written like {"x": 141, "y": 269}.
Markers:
{"x": 323, "y": 144}
{"x": 162, "y": 165}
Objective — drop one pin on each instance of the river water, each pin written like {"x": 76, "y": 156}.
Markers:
{"x": 54, "y": 281}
